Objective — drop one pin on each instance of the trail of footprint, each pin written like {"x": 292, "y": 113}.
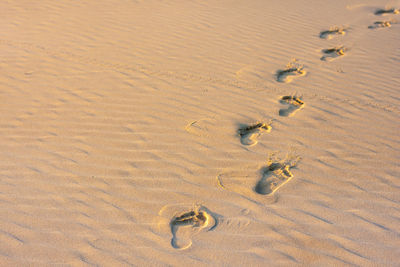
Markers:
{"x": 181, "y": 75}
{"x": 185, "y": 225}
{"x": 293, "y": 70}
{"x": 249, "y": 134}
{"x": 333, "y": 53}
{"x": 295, "y": 104}
{"x": 332, "y": 32}
{"x": 382, "y": 24}
{"x": 276, "y": 174}
{"x": 386, "y": 11}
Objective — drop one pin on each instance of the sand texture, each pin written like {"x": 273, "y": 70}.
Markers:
{"x": 195, "y": 133}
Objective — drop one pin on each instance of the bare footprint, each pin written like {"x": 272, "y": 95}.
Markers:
{"x": 387, "y": 11}
{"x": 381, "y": 24}
{"x": 276, "y": 174}
{"x": 293, "y": 70}
{"x": 333, "y": 31}
{"x": 185, "y": 225}
{"x": 201, "y": 127}
{"x": 249, "y": 134}
{"x": 332, "y": 53}
{"x": 295, "y": 104}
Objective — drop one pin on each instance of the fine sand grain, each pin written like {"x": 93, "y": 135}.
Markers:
{"x": 119, "y": 133}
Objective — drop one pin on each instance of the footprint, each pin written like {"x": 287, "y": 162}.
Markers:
{"x": 241, "y": 182}
{"x": 276, "y": 174}
{"x": 332, "y": 53}
{"x": 295, "y": 104}
{"x": 387, "y": 11}
{"x": 185, "y": 225}
{"x": 249, "y": 134}
{"x": 381, "y": 24}
{"x": 201, "y": 127}
{"x": 293, "y": 69}
{"x": 333, "y": 31}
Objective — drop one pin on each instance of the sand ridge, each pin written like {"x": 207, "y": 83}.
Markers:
{"x": 116, "y": 118}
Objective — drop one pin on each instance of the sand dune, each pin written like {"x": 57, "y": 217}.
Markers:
{"x": 129, "y": 133}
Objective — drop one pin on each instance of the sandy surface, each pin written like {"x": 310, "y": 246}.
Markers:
{"x": 119, "y": 140}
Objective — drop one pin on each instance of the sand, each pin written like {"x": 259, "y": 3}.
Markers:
{"x": 120, "y": 134}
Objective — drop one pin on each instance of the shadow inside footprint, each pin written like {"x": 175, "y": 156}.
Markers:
{"x": 292, "y": 70}
{"x": 381, "y": 24}
{"x": 333, "y": 53}
{"x": 387, "y": 11}
{"x": 185, "y": 225}
{"x": 276, "y": 174}
{"x": 333, "y": 31}
{"x": 295, "y": 104}
{"x": 249, "y": 134}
